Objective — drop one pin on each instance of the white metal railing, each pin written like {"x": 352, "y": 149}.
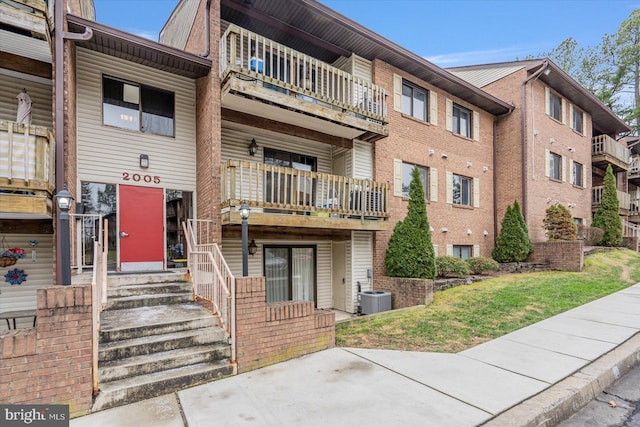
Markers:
{"x": 275, "y": 187}
{"x": 258, "y": 57}
{"x": 212, "y": 279}
{"x": 86, "y": 229}
{"x": 27, "y": 156}
{"x": 630, "y": 229}
{"x": 99, "y": 295}
{"x": 634, "y": 166}
{"x": 604, "y": 144}
{"x": 624, "y": 199}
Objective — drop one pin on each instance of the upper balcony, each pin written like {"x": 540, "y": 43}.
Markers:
{"x": 26, "y": 170}
{"x": 27, "y": 15}
{"x": 634, "y": 171}
{"x": 263, "y": 78}
{"x": 607, "y": 151}
{"x": 288, "y": 197}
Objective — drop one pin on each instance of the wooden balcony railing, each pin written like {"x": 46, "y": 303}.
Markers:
{"x": 623, "y": 198}
{"x": 293, "y": 190}
{"x": 604, "y": 145}
{"x": 253, "y": 55}
{"x": 26, "y": 157}
{"x": 634, "y": 166}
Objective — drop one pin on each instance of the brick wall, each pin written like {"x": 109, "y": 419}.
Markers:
{"x": 275, "y": 332}
{"x": 405, "y": 292}
{"x": 564, "y": 255}
{"x": 51, "y": 363}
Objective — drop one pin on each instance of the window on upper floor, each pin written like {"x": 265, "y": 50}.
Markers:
{"x": 555, "y": 166}
{"x": 407, "y": 174}
{"x": 462, "y": 190}
{"x": 577, "y": 171}
{"x": 577, "y": 120}
{"x": 137, "y": 107}
{"x": 555, "y": 106}
{"x": 414, "y": 101}
{"x": 462, "y": 120}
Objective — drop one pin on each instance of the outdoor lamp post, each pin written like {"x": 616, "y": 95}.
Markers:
{"x": 63, "y": 200}
{"x": 244, "y": 214}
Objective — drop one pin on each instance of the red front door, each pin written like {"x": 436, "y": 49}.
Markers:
{"x": 141, "y": 228}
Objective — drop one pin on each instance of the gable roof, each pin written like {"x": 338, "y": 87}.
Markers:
{"x": 604, "y": 120}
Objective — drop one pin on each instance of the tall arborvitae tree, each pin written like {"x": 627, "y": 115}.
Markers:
{"x": 607, "y": 216}
{"x": 410, "y": 251}
{"x": 512, "y": 244}
{"x": 526, "y": 240}
{"x": 559, "y": 223}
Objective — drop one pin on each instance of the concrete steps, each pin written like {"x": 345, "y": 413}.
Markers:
{"x": 154, "y": 340}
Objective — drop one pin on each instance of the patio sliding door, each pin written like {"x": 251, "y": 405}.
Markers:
{"x": 290, "y": 273}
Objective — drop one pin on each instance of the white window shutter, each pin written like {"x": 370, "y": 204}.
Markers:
{"x": 449, "y": 186}
{"x": 476, "y": 251}
{"x": 476, "y": 192}
{"x": 435, "y": 250}
{"x": 563, "y": 171}
{"x": 397, "y": 177}
{"x": 570, "y": 171}
{"x": 476, "y": 126}
{"x": 584, "y": 122}
{"x": 433, "y": 178}
{"x": 450, "y": 250}
{"x": 547, "y": 169}
{"x": 547, "y": 105}
{"x": 433, "y": 107}
{"x": 563, "y": 111}
{"x": 571, "y": 116}
{"x": 449, "y": 105}
{"x": 397, "y": 92}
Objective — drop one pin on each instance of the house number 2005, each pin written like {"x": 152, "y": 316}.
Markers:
{"x": 136, "y": 177}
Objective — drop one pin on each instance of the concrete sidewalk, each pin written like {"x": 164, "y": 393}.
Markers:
{"x": 534, "y": 376}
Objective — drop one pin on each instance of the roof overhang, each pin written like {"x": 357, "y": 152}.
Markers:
{"x": 137, "y": 49}
{"x": 312, "y": 28}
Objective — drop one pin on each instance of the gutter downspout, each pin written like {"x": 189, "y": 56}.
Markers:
{"x": 207, "y": 30}
{"x": 60, "y": 35}
{"x": 523, "y": 129}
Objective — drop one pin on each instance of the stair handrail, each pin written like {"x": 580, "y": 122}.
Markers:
{"x": 212, "y": 280}
{"x": 99, "y": 294}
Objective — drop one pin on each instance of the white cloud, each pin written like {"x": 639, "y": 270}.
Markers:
{"x": 144, "y": 34}
{"x": 483, "y": 56}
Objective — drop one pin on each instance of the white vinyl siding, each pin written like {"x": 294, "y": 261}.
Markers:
{"x": 39, "y": 275}
{"x": 362, "y": 160}
{"x": 40, "y": 94}
{"x": 362, "y": 259}
{"x": 105, "y": 152}
{"x": 350, "y": 286}
{"x": 232, "y": 252}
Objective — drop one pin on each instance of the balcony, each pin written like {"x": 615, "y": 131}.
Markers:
{"x": 634, "y": 171}
{"x": 607, "y": 151}
{"x": 26, "y": 170}
{"x": 289, "y": 197}
{"x": 624, "y": 199}
{"x": 263, "y": 78}
{"x": 28, "y": 15}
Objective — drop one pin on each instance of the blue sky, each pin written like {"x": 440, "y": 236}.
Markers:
{"x": 446, "y": 32}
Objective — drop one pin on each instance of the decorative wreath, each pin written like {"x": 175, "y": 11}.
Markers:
{"x": 15, "y": 277}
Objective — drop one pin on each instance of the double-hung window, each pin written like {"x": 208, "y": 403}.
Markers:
{"x": 576, "y": 120}
{"x": 407, "y": 174}
{"x": 137, "y": 107}
{"x": 555, "y": 106}
{"x": 462, "y": 190}
{"x": 462, "y": 120}
{"x": 414, "y": 101}
{"x": 576, "y": 174}
{"x": 555, "y": 166}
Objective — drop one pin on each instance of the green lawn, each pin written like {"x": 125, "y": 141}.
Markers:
{"x": 462, "y": 317}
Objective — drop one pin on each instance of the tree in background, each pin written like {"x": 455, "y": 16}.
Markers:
{"x": 410, "y": 251}
{"x": 559, "y": 223}
{"x": 512, "y": 244}
{"x": 607, "y": 216}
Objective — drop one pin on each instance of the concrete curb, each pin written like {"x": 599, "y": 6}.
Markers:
{"x": 563, "y": 399}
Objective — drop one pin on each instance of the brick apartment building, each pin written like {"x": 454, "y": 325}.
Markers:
{"x": 314, "y": 127}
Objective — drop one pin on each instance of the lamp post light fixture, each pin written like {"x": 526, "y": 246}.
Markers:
{"x": 244, "y": 214}
{"x": 63, "y": 201}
